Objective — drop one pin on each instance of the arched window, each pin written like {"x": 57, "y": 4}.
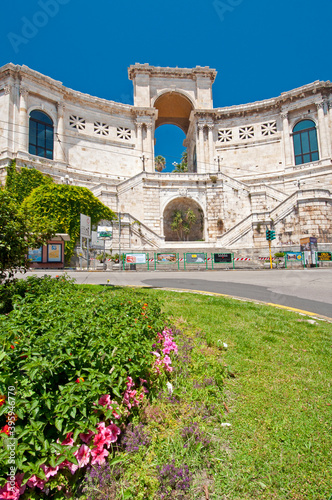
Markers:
{"x": 40, "y": 135}
{"x": 305, "y": 142}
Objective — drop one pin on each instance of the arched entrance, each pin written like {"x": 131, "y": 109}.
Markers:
{"x": 183, "y": 209}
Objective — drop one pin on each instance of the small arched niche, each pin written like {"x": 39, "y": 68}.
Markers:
{"x": 183, "y": 204}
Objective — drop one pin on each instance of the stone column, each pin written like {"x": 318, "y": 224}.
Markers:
{"x": 139, "y": 137}
{"x": 23, "y": 121}
{"x": 324, "y": 150}
{"x": 329, "y": 121}
{"x": 206, "y": 232}
{"x": 59, "y": 139}
{"x": 150, "y": 148}
{"x": 286, "y": 139}
{"x": 211, "y": 166}
{"x": 200, "y": 149}
{"x": 8, "y": 131}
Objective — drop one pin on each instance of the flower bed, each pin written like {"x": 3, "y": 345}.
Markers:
{"x": 80, "y": 364}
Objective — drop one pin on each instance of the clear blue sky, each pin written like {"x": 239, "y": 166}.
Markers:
{"x": 260, "y": 48}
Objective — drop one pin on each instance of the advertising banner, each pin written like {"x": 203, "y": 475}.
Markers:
{"x": 295, "y": 256}
{"x": 54, "y": 253}
{"x": 195, "y": 258}
{"x": 136, "y": 258}
{"x": 324, "y": 256}
{"x": 222, "y": 257}
{"x": 104, "y": 232}
{"x": 35, "y": 254}
{"x": 166, "y": 258}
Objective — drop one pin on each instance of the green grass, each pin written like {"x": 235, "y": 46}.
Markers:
{"x": 278, "y": 393}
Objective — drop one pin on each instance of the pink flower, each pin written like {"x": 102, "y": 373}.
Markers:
{"x": 105, "y": 400}
{"x": 99, "y": 440}
{"x": 69, "y": 440}
{"x": 72, "y": 467}
{"x": 49, "y": 471}
{"x": 156, "y": 353}
{"x": 130, "y": 383}
{"x": 35, "y": 481}
{"x": 83, "y": 455}
{"x": 86, "y": 438}
{"x": 111, "y": 434}
{"x": 7, "y": 493}
{"x": 98, "y": 455}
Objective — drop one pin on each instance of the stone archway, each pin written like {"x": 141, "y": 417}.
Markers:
{"x": 173, "y": 109}
{"x": 182, "y": 204}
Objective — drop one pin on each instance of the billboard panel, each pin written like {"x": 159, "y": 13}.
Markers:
{"x": 195, "y": 258}
{"x": 166, "y": 257}
{"x": 136, "y": 258}
{"x": 222, "y": 257}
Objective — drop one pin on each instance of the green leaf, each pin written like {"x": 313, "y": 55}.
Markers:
{"x": 58, "y": 423}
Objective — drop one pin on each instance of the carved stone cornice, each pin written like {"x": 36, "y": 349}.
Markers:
{"x": 159, "y": 72}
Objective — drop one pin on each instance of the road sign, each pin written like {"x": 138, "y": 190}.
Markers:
{"x": 85, "y": 221}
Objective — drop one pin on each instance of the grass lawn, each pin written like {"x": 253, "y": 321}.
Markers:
{"x": 242, "y": 413}
{"x": 277, "y": 398}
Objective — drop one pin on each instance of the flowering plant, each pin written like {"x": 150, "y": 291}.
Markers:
{"x": 75, "y": 357}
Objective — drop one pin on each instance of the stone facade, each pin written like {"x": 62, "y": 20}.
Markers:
{"x": 243, "y": 174}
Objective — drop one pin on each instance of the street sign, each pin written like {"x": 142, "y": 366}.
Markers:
{"x": 85, "y": 222}
{"x": 95, "y": 242}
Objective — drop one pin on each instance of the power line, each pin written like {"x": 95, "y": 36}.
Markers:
{"x": 68, "y": 143}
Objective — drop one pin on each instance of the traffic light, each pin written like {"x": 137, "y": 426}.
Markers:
{"x": 270, "y": 234}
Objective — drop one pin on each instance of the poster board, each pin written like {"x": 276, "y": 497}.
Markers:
{"x": 35, "y": 254}
{"x": 219, "y": 258}
{"x": 54, "y": 252}
{"x": 324, "y": 256}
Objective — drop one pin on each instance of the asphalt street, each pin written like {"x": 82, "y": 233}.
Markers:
{"x": 309, "y": 289}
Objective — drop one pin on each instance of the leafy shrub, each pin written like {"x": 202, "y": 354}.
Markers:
{"x": 75, "y": 357}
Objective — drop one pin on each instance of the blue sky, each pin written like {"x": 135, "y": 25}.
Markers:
{"x": 260, "y": 48}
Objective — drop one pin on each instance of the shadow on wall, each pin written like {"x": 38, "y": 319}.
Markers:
{"x": 182, "y": 205}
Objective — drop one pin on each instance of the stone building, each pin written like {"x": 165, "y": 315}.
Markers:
{"x": 249, "y": 166}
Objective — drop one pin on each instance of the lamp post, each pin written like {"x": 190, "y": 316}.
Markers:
{"x": 218, "y": 159}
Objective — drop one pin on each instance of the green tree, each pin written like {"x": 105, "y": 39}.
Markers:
{"x": 61, "y": 205}
{"x": 21, "y": 182}
{"x": 183, "y": 165}
{"x": 183, "y": 222}
{"x": 18, "y": 232}
{"x": 160, "y": 163}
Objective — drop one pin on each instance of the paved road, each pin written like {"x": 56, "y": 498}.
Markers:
{"x": 309, "y": 289}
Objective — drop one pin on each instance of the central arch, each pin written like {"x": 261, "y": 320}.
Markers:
{"x": 173, "y": 108}
{"x": 182, "y": 204}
